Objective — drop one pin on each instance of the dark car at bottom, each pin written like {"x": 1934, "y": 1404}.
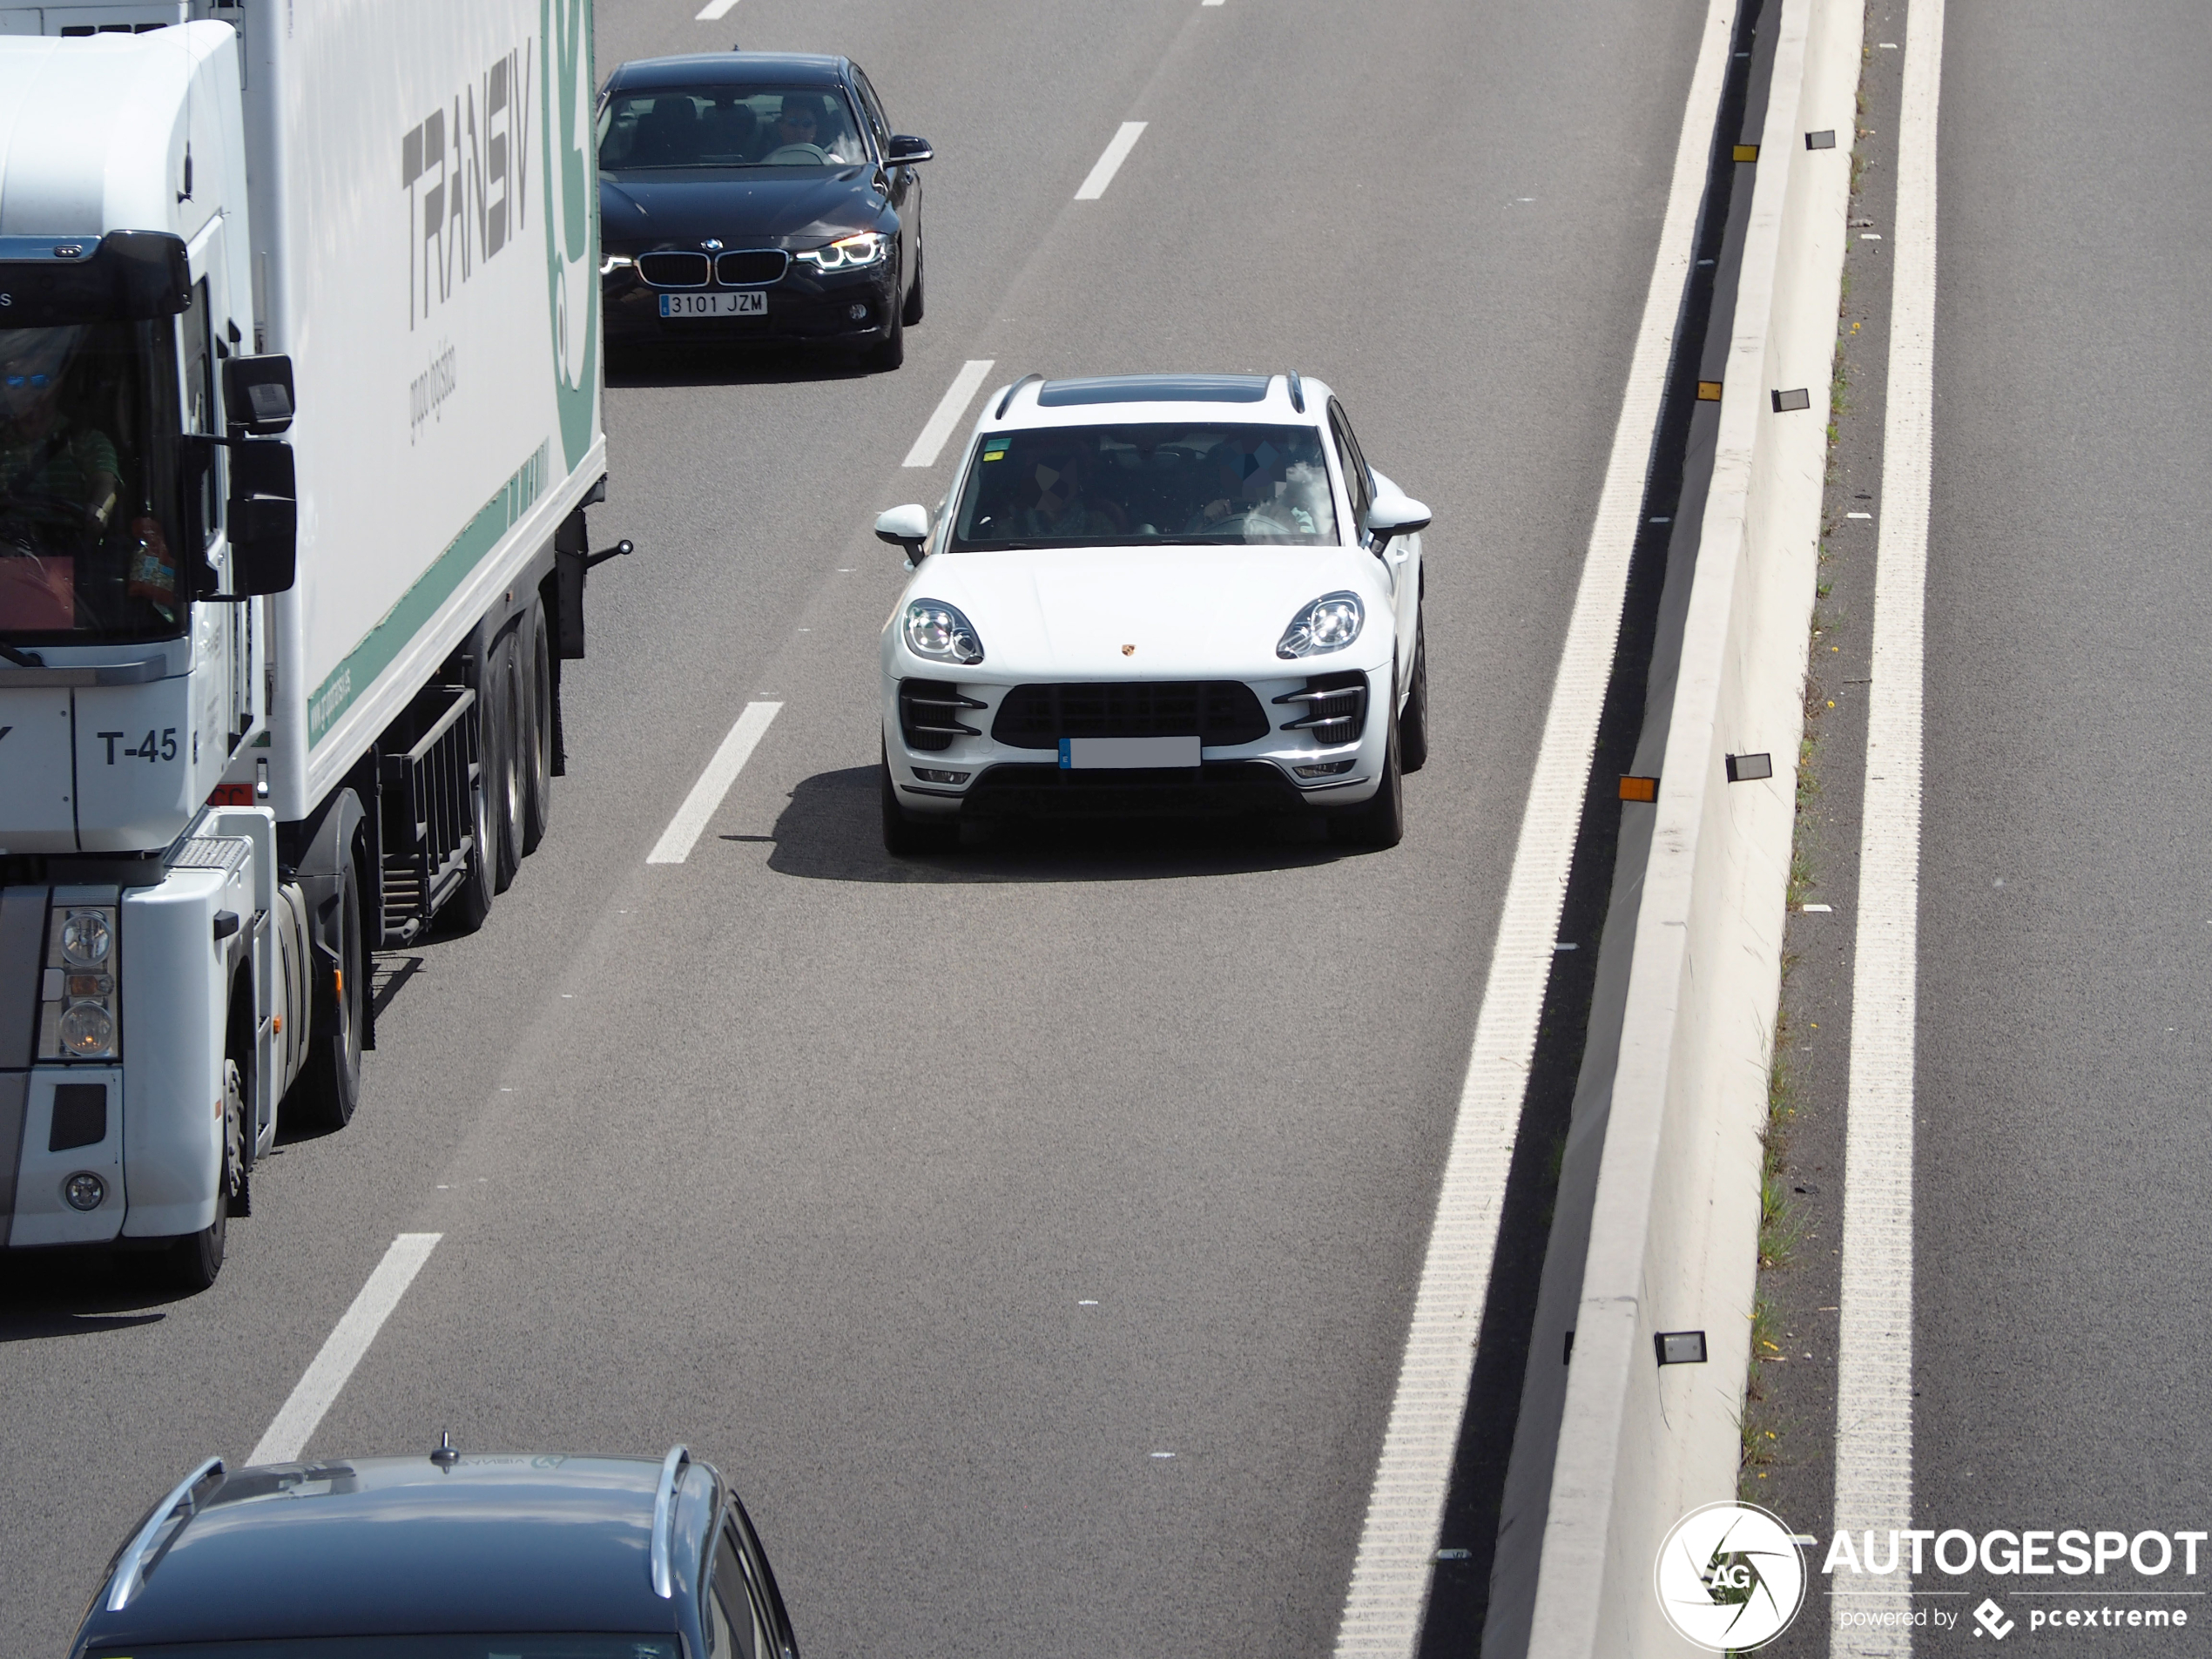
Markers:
{"x": 443, "y": 1557}
{"x": 760, "y": 197}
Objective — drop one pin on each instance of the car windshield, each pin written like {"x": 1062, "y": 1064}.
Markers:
{"x": 729, "y": 127}
{"x": 88, "y": 502}
{"x": 1198, "y": 485}
{"x": 532, "y": 1646}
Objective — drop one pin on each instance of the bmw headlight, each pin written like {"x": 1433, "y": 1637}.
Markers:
{"x": 614, "y": 262}
{"x": 847, "y": 252}
{"x": 938, "y": 631}
{"x": 1329, "y": 623}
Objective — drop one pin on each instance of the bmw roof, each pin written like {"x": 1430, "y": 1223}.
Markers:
{"x": 724, "y": 68}
{"x": 484, "y": 1543}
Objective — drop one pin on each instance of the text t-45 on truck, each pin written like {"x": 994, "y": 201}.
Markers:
{"x": 300, "y": 400}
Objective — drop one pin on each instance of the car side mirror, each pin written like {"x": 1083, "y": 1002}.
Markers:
{"x": 257, "y": 395}
{"x": 1393, "y": 514}
{"x": 905, "y": 149}
{"x": 906, "y": 527}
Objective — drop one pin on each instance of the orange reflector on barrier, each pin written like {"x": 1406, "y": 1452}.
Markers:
{"x": 1709, "y": 391}
{"x": 1639, "y": 789}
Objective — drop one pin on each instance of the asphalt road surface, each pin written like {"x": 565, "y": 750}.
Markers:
{"x": 2062, "y": 1326}
{"x": 937, "y": 1200}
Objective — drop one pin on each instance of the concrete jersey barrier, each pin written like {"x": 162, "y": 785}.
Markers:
{"x": 1673, "y": 1242}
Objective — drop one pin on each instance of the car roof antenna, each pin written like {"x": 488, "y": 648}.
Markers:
{"x": 447, "y": 1454}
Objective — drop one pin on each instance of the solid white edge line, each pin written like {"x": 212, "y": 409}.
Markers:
{"x": 1110, "y": 162}
{"x": 683, "y": 831}
{"x": 715, "y": 11}
{"x": 1874, "y": 1338}
{"x": 947, "y": 415}
{"x": 342, "y": 1350}
{"x": 1388, "y": 1595}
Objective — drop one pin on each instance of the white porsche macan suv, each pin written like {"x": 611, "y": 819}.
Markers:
{"x": 1157, "y": 594}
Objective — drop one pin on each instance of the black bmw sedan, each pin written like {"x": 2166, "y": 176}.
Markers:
{"x": 757, "y": 196}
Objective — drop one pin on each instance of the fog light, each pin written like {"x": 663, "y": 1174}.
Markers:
{"x": 1326, "y": 768}
{"x": 931, "y": 775}
{"x": 858, "y": 311}
{"x": 85, "y": 1190}
{"x": 87, "y": 1029}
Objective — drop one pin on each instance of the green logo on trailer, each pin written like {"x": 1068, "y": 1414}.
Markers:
{"x": 571, "y": 217}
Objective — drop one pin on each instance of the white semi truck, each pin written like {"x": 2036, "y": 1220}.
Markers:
{"x": 299, "y": 413}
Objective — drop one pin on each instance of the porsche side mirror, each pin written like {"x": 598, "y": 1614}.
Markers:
{"x": 1393, "y": 515}
{"x": 906, "y": 527}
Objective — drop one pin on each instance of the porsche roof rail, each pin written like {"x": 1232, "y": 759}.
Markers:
{"x": 672, "y": 1473}
{"x": 130, "y": 1568}
{"x": 1298, "y": 392}
{"x": 999, "y": 414}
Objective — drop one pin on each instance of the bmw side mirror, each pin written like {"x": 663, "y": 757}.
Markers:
{"x": 905, "y": 149}
{"x": 906, "y": 527}
{"x": 1393, "y": 514}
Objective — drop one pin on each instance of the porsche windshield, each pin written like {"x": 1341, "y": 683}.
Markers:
{"x": 88, "y": 499}
{"x": 729, "y": 127}
{"x": 1196, "y": 485}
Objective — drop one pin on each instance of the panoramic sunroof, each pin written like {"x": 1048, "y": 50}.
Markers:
{"x": 1154, "y": 388}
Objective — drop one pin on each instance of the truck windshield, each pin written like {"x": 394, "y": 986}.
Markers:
{"x": 534, "y": 1645}
{"x": 88, "y": 498}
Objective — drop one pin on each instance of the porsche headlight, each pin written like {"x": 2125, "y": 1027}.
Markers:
{"x": 1329, "y": 623}
{"x": 939, "y": 632}
{"x": 847, "y": 252}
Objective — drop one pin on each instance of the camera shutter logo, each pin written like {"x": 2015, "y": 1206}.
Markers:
{"x": 1728, "y": 1578}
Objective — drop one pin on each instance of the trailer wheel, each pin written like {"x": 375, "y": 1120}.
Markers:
{"x": 508, "y": 805}
{"x": 471, "y": 905}
{"x": 330, "y": 1085}
{"x": 193, "y": 1263}
{"x": 537, "y": 731}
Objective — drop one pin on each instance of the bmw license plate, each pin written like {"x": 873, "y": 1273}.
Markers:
{"x": 746, "y": 302}
{"x": 1124, "y": 754}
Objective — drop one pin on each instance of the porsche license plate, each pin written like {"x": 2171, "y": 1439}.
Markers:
{"x": 1126, "y": 754}
{"x": 745, "y": 302}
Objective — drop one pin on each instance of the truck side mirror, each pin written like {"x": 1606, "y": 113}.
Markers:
{"x": 257, "y": 395}
{"x": 264, "y": 518}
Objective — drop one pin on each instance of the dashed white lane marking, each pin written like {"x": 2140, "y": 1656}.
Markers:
{"x": 676, "y": 841}
{"x": 1388, "y": 1595}
{"x": 715, "y": 11}
{"x": 1118, "y": 149}
{"x": 950, "y": 408}
{"x": 342, "y": 1350}
{"x": 1874, "y": 1328}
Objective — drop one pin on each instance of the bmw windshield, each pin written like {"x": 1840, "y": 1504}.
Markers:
{"x": 1202, "y": 484}
{"x": 662, "y": 127}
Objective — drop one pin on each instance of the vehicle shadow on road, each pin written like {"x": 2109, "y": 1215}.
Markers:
{"x": 708, "y": 364}
{"x": 831, "y": 831}
{"x": 77, "y": 1293}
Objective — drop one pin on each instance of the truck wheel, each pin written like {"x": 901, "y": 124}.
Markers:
{"x": 193, "y": 1263}
{"x": 330, "y": 1084}
{"x": 537, "y": 725}
{"x": 471, "y": 905}
{"x": 508, "y": 808}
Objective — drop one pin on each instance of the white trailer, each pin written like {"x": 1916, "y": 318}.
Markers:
{"x": 300, "y": 382}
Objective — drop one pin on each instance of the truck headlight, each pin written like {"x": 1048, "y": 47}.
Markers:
{"x": 78, "y": 1000}
{"x": 87, "y": 1030}
{"x": 87, "y": 938}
